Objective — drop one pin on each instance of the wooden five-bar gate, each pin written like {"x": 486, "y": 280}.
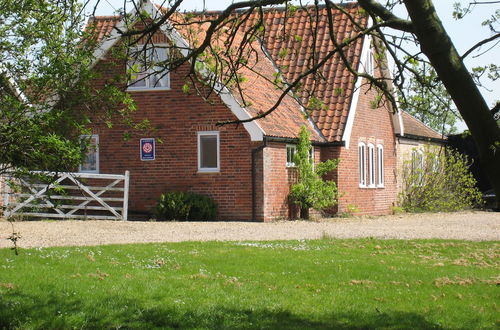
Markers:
{"x": 67, "y": 195}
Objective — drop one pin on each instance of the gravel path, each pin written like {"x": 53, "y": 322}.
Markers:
{"x": 477, "y": 226}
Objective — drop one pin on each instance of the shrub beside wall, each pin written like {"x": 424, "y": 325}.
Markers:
{"x": 179, "y": 205}
{"x": 438, "y": 182}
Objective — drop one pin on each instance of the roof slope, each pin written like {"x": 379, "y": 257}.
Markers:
{"x": 291, "y": 46}
{"x": 413, "y": 126}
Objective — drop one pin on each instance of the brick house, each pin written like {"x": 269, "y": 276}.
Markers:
{"x": 248, "y": 169}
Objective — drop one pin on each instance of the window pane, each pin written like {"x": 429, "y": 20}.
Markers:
{"x": 89, "y": 163}
{"x": 208, "y": 152}
{"x": 290, "y": 153}
{"x": 362, "y": 164}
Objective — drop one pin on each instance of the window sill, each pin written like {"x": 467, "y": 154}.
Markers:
{"x": 370, "y": 187}
{"x": 148, "y": 89}
{"x": 217, "y": 171}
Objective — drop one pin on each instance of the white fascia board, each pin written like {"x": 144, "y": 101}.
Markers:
{"x": 13, "y": 85}
{"x": 346, "y": 137}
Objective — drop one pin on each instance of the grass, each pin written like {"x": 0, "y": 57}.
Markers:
{"x": 338, "y": 284}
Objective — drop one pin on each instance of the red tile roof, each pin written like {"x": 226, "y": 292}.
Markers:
{"x": 101, "y": 26}
{"x": 335, "y": 87}
{"x": 413, "y": 126}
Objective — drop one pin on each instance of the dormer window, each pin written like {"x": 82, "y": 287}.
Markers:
{"x": 147, "y": 68}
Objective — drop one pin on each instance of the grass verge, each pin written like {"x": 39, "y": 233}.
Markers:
{"x": 338, "y": 284}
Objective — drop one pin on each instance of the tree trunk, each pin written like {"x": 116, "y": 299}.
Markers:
{"x": 438, "y": 47}
{"x": 304, "y": 213}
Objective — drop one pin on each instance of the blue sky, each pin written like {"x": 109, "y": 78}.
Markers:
{"x": 464, "y": 33}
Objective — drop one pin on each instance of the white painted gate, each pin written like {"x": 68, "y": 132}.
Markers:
{"x": 68, "y": 196}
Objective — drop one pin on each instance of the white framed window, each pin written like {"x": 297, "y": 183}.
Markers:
{"x": 291, "y": 149}
{"x": 417, "y": 159}
{"x": 311, "y": 155}
{"x": 380, "y": 165}
{"x": 146, "y": 68}
{"x": 90, "y": 162}
{"x": 371, "y": 165}
{"x": 208, "y": 151}
{"x": 362, "y": 164}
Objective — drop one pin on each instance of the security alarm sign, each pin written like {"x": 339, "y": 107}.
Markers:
{"x": 148, "y": 149}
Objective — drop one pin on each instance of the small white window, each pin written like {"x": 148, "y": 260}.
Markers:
{"x": 362, "y": 164}
{"x": 147, "y": 68}
{"x": 380, "y": 165}
{"x": 291, "y": 149}
{"x": 208, "y": 151}
{"x": 371, "y": 165}
{"x": 90, "y": 162}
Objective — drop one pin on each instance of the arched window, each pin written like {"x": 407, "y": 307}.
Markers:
{"x": 362, "y": 164}
{"x": 371, "y": 165}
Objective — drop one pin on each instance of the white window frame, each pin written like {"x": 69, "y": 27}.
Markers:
{"x": 371, "y": 165}
{"x": 150, "y": 70}
{"x": 91, "y": 136}
{"x": 417, "y": 159}
{"x": 362, "y": 164}
{"x": 208, "y": 169}
{"x": 380, "y": 166}
{"x": 293, "y": 147}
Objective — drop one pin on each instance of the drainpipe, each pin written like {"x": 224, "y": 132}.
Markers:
{"x": 254, "y": 178}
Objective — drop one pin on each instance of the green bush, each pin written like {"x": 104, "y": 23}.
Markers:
{"x": 179, "y": 205}
{"x": 311, "y": 190}
{"x": 438, "y": 182}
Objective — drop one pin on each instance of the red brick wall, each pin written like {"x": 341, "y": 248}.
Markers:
{"x": 177, "y": 118}
{"x": 370, "y": 126}
{"x": 277, "y": 181}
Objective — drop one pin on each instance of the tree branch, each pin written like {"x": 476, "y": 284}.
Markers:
{"x": 479, "y": 44}
{"x": 390, "y": 19}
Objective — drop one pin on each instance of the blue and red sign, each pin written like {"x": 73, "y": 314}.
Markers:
{"x": 148, "y": 149}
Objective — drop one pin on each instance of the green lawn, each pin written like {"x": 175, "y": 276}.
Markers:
{"x": 339, "y": 284}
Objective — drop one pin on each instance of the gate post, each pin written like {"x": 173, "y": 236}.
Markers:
{"x": 125, "y": 196}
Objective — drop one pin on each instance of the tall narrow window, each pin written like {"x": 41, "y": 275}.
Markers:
{"x": 362, "y": 164}
{"x": 380, "y": 165}
{"x": 146, "y": 68}
{"x": 90, "y": 162}
{"x": 371, "y": 165}
{"x": 208, "y": 151}
{"x": 291, "y": 149}
{"x": 417, "y": 165}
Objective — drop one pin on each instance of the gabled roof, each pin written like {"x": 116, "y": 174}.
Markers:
{"x": 258, "y": 89}
{"x": 415, "y": 128}
{"x": 335, "y": 90}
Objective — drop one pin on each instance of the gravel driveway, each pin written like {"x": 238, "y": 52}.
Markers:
{"x": 477, "y": 226}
